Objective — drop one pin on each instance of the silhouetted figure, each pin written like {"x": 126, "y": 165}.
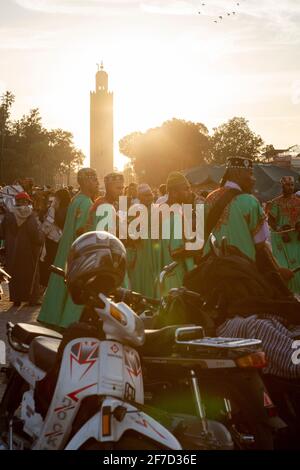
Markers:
{"x": 23, "y": 238}
{"x": 53, "y": 228}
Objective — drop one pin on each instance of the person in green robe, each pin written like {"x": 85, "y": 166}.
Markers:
{"x": 57, "y": 308}
{"x": 284, "y": 220}
{"x": 105, "y": 220}
{"x": 104, "y": 214}
{"x": 242, "y": 220}
{"x": 143, "y": 255}
{"x": 173, "y": 246}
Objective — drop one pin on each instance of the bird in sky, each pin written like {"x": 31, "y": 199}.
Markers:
{"x": 220, "y": 18}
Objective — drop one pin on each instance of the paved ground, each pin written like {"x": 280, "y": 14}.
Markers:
{"x": 8, "y": 312}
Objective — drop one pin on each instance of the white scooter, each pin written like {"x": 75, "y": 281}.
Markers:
{"x": 80, "y": 391}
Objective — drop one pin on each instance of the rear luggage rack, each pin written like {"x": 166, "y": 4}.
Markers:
{"x": 221, "y": 343}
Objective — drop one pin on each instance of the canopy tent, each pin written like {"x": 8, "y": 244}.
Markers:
{"x": 267, "y": 177}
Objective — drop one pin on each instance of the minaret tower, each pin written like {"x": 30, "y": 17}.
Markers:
{"x": 102, "y": 137}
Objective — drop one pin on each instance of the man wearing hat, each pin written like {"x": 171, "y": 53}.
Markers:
{"x": 235, "y": 213}
{"x": 58, "y": 308}
{"x": 114, "y": 188}
{"x": 284, "y": 220}
{"x": 232, "y": 211}
{"x": 23, "y": 238}
{"x": 173, "y": 248}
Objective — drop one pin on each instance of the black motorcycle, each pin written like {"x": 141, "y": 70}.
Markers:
{"x": 222, "y": 373}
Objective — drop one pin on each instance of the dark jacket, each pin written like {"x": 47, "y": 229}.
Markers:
{"x": 22, "y": 249}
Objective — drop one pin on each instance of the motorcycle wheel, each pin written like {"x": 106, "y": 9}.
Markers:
{"x": 243, "y": 424}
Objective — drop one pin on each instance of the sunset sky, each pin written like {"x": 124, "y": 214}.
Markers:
{"x": 163, "y": 58}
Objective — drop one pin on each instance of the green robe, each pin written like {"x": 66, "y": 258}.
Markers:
{"x": 239, "y": 223}
{"x": 167, "y": 248}
{"x": 286, "y": 211}
{"x": 143, "y": 263}
{"x": 58, "y": 308}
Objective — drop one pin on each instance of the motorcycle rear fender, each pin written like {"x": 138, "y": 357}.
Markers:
{"x": 248, "y": 389}
{"x": 104, "y": 426}
{"x": 25, "y": 367}
{"x": 251, "y": 388}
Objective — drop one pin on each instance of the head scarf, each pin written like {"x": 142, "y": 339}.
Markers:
{"x": 144, "y": 188}
{"x": 21, "y": 213}
{"x": 23, "y": 195}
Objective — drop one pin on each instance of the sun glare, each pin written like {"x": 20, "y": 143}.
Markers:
{"x": 195, "y": 74}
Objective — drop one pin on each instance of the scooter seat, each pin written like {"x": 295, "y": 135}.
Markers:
{"x": 158, "y": 342}
{"x": 25, "y": 333}
{"x": 43, "y": 352}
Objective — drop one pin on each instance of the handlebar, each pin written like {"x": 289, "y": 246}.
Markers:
{"x": 184, "y": 292}
{"x": 129, "y": 296}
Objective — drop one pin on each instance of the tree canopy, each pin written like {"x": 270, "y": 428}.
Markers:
{"x": 179, "y": 145}
{"x": 175, "y": 145}
{"x": 29, "y": 149}
{"x": 235, "y": 139}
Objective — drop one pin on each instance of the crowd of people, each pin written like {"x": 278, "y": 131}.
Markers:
{"x": 33, "y": 220}
{"x": 39, "y": 225}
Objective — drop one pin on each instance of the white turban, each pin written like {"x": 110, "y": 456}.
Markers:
{"x": 144, "y": 188}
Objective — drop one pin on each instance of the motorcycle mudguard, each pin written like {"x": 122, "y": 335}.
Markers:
{"x": 114, "y": 419}
{"x": 249, "y": 390}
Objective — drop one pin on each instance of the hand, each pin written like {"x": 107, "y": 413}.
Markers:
{"x": 286, "y": 274}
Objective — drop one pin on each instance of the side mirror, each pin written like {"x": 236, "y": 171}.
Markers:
{"x": 167, "y": 270}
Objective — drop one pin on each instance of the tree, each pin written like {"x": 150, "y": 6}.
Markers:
{"x": 269, "y": 153}
{"x": 235, "y": 139}
{"x": 130, "y": 145}
{"x": 175, "y": 145}
{"x": 32, "y": 150}
{"x": 64, "y": 155}
{"x": 129, "y": 173}
{"x": 7, "y": 100}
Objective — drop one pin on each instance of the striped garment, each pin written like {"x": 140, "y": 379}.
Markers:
{"x": 276, "y": 338}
